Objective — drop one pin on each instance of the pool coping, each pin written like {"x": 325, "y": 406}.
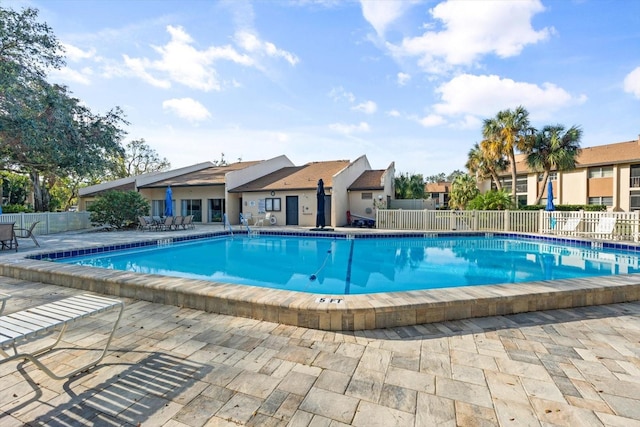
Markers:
{"x": 333, "y": 312}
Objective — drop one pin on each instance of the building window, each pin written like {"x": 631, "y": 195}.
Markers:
{"x": 367, "y": 196}
{"x": 601, "y": 172}
{"x": 192, "y": 207}
{"x": 635, "y": 202}
{"x": 272, "y": 205}
{"x": 521, "y": 184}
{"x": 635, "y": 176}
{"x": 553, "y": 176}
{"x": 607, "y": 201}
{"x": 158, "y": 207}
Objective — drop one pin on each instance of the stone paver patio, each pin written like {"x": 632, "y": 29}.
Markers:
{"x": 181, "y": 367}
{"x": 172, "y": 366}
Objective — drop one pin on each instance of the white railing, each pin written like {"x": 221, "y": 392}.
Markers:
{"x": 50, "y": 222}
{"x": 426, "y": 220}
{"x": 626, "y": 227}
{"x": 627, "y": 224}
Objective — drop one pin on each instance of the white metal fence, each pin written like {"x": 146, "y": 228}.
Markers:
{"x": 625, "y": 225}
{"x": 50, "y": 222}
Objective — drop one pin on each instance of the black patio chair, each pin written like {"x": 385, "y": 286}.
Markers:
{"x": 25, "y": 233}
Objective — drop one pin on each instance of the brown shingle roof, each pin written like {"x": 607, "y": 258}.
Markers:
{"x": 369, "y": 180}
{"x": 610, "y": 154}
{"x": 209, "y": 176}
{"x": 296, "y": 177}
{"x": 437, "y": 187}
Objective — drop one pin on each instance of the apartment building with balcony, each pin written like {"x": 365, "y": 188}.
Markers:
{"x": 604, "y": 175}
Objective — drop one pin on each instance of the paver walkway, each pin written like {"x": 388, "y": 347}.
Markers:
{"x": 181, "y": 367}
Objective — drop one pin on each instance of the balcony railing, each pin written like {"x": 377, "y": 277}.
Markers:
{"x": 634, "y": 182}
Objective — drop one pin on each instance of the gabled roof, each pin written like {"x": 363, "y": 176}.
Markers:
{"x": 368, "y": 180}
{"x": 609, "y": 154}
{"x": 210, "y": 176}
{"x": 134, "y": 182}
{"x": 296, "y": 177}
{"x": 437, "y": 187}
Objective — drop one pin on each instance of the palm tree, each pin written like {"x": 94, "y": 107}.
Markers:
{"x": 463, "y": 189}
{"x": 503, "y": 135}
{"x": 402, "y": 186}
{"x": 554, "y": 149}
{"x": 416, "y": 186}
{"x": 484, "y": 165}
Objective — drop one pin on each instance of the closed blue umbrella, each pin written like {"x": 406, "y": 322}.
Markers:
{"x": 168, "y": 202}
{"x": 550, "y": 206}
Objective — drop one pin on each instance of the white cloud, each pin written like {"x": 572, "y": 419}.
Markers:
{"x": 393, "y": 113}
{"x": 403, "y": 79}
{"x": 487, "y": 94}
{"x": 74, "y": 54}
{"x": 67, "y": 74}
{"x": 187, "y": 108}
{"x": 338, "y": 93}
{"x": 432, "y": 120}
{"x": 251, "y": 43}
{"x": 472, "y": 29}
{"x": 382, "y": 13}
{"x": 179, "y": 61}
{"x": 367, "y": 107}
{"x": 350, "y": 129}
{"x": 137, "y": 67}
{"x": 632, "y": 83}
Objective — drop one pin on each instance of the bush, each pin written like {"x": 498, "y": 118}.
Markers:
{"x": 118, "y": 209}
{"x": 491, "y": 201}
{"x": 16, "y": 208}
{"x": 567, "y": 208}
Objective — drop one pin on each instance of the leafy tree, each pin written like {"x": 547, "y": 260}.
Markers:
{"x": 416, "y": 186}
{"x": 554, "y": 149}
{"x": 485, "y": 165}
{"x": 491, "y": 200}
{"x": 139, "y": 158}
{"x": 453, "y": 175}
{"x": 440, "y": 177}
{"x": 222, "y": 161}
{"x": 504, "y": 134}
{"x": 44, "y": 132}
{"x": 15, "y": 188}
{"x": 401, "y": 184}
{"x": 463, "y": 189}
{"x": 118, "y": 209}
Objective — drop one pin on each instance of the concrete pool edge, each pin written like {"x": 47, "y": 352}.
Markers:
{"x": 334, "y": 312}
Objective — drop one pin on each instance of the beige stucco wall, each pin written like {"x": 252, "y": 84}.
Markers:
{"x": 574, "y": 187}
{"x": 187, "y": 193}
{"x": 307, "y": 205}
{"x": 339, "y": 196}
{"x": 622, "y": 198}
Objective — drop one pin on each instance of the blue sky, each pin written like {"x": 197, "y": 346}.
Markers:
{"x": 403, "y": 81}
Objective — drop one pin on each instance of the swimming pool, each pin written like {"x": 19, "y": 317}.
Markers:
{"x": 340, "y": 266}
{"x": 324, "y": 310}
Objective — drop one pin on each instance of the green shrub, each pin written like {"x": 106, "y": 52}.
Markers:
{"x": 567, "y": 208}
{"x": 491, "y": 201}
{"x": 118, "y": 209}
{"x": 15, "y": 208}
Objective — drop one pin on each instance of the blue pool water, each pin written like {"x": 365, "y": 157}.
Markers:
{"x": 358, "y": 266}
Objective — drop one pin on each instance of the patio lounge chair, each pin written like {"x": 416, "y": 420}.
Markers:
{"x": 166, "y": 224}
{"x": 604, "y": 228}
{"x": 188, "y": 222}
{"x": 570, "y": 225}
{"x": 177, "y": 222}
{"x": 25, "y": 233}
{"x": 144, "y": 223}
{"x": 8, "y": 236}
{"x": 24, "y": 326}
